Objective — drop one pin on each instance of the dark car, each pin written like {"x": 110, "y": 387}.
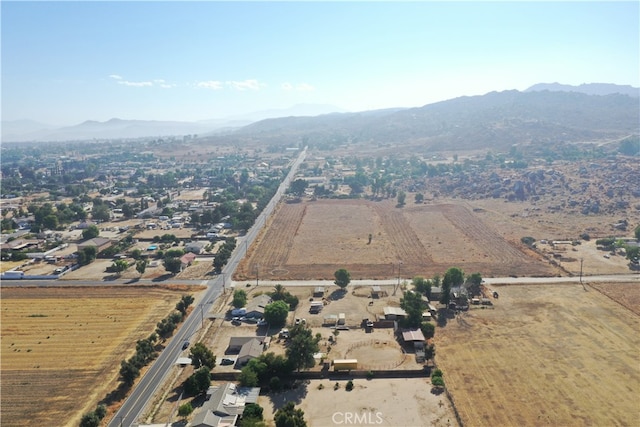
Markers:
{"x": 185, "y": 345}
{"x": 227, "y": 362}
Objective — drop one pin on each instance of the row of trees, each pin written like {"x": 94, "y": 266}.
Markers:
{"x": 223, "y": 254}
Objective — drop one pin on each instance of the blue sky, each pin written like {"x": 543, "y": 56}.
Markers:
{"x": 66, "y": 62}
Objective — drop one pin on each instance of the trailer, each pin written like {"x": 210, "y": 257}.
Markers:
{"x": 13, "y": 275}
{"x": 345, "y": 364}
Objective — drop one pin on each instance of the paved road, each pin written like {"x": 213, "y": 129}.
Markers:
{"x": 133, "y": 407}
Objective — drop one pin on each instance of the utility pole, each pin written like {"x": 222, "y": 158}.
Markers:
{"x": 223, "y": 286}
{"x": 257, "y": 273}
{"x": 581, "y": 259}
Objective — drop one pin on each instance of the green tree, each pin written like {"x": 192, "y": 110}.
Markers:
{"x": 90, "y": 420}
{"x": 202, "y": 356}
{"x": 343, "y": 278}
{"x": 298, "y": 186}
{"x": 185, "y": 410}
{"x": 252, "y": 416}
{"x": 172, "y": 265}
{"x": 429, "y": 352}
{"x": 119, "y": 266}
{"x": 141, "y": 266}
{"x": 91, "y": 232}
{"x": 428, "y": 329}
{"x": 402, "y": 197}
{"x": 289, "y": 416}
{"x": 100, "y": 212}
{"x": 128, "y": 372}
{"x": 86, "y": 255}
{"x": 452, "y": 278}
{"x": 198, "y": 382}
{"x": 184, "y": 304}
{"x": 50, "y": 221}
{"x": 301, "y": 347}
{"x": 239, "y": 298}
{"x": 636, "y": 232}
{"x": 248, "y": 377}
{"x": 474, "y": 281}
{"x": 632, "y": 252}
{"x": 411, "y": 303}
{"x": 276, "y": 313}
{"x": 419, "y": 198}
{"x": 421, "y": 285}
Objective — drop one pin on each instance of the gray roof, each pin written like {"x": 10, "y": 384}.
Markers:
{"x": 258, "y": 303}
{"x": 251, "y": 349}
{"x": 240, "y": 341}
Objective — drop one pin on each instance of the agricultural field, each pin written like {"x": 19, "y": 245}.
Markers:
{"x": 311, "y": 240}
{"x": 543, "y": 355}
{"x": 62, "y": 347}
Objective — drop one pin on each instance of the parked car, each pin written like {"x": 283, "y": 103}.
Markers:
{"x": 185, "y": 345}
{"x": 227, "y": 362}
{"x": 262, "y": 322}
{"x": 236, "y": 321}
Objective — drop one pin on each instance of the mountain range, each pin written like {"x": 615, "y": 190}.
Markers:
{"x": 543, "y": 112}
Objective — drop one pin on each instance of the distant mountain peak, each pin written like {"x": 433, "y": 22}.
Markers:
{"x": 587, "y": 88}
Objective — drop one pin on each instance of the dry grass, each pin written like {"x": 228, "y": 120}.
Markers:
{"x": 61, "y": 347}
{"x": 545, "y": 355}
{"x": 311, "y": 240}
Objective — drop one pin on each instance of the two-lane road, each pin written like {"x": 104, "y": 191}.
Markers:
{"x": 133, "y": 407}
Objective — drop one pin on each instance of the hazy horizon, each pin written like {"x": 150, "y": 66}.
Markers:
{"x": 68, "y": 62}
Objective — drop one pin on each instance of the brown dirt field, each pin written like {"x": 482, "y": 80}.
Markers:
{"x": 544, "y": 355}
{"x": 61, "y": 347}
{"x": 625, "y": 294}
{"x": 311, "y": 240}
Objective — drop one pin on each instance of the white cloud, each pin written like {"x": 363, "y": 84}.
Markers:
{"x": 115, "y": 77}
{"x": 135, "y": 84}
{"x": 210, "y": 84}
{"x": 286, "y": 86}
{"x": 251, "y": 84}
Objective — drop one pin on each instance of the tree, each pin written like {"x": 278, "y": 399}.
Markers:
{"x": 86, "y": 255}
{"x": 248, "y": 377}
{"x": 637, "y": 232}
{"x": 100, "y": 212}
{"x": 184, "y": 304}
{"x": 402, "y": 197}
{"x": 428, "y": 329}
{"x": 172, "y": 265}
{"x": 343, "y": 278}
{"x": 141, "y": 266}
{"x": 411, "y": 303}
{"x": 474, "y": 280}
{"x": 419, "y": 198}
{"x": 429, "y": 352}
{"x": 298, "y": 186}
{"x": 301, "y": 347}
{"x": 90, "y": 232}
{"x": 289, "y": 416}
{"x": 90, "y": 420}
{"x": 128, "y": 372}
{"x": 252, "y": 416}
{"x": 119, "y": 266}
{"x": 276, "y": 313}
{"x": 239, "y": 298}
{"x": 185, "y": 410}
{"x": 198, "y": 382}
{"x": 202, "y": 356}
{"x": 420, "y": 284}
{"x": 452, "y": 278}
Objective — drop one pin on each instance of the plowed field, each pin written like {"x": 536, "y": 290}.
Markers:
{"x": 61, "y": 347}
{"x": 311, "y": 240}
{"x": 545, "y": 355}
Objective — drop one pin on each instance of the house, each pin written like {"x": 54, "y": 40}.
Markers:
{"x": 224, "y": 405}
{"x": 195, "y": 247}
{"x": 436, "y": 293}
{"x": 252, "y": 349}
{"x": 236, "y": 343}
{"x": 100, "y": 243}
{"x": 394, "y": 313}
{"x": 187, "y": 259}
{"x": 85, "y": 224}
{"x": 255, "y": 307}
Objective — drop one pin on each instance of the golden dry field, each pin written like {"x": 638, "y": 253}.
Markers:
{"x": 311, "y": 240}
{"x": 62, "y": 347}
{"x": 552, "y": 355}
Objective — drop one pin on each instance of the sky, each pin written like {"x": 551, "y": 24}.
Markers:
{"x": 67, "y": 62}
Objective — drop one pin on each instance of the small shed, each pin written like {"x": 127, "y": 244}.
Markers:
{"x": 341, "y": 319}
{"x": 345, "y": 364}
{"x": 318, "y": 292}
{"x": 316, "y": 307}
{"x": 394, "y": 313}
{"x": 412, "y": 335}
{"x": 378, "y": 292}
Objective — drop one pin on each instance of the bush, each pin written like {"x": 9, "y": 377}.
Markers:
{"x": 349, "y": 386}
{"x": 185, "y": 410}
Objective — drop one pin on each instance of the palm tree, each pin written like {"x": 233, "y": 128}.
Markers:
{"x": 279, "y": 292}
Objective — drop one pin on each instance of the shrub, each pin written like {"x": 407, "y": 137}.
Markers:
{"x": 349, "y": 386}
